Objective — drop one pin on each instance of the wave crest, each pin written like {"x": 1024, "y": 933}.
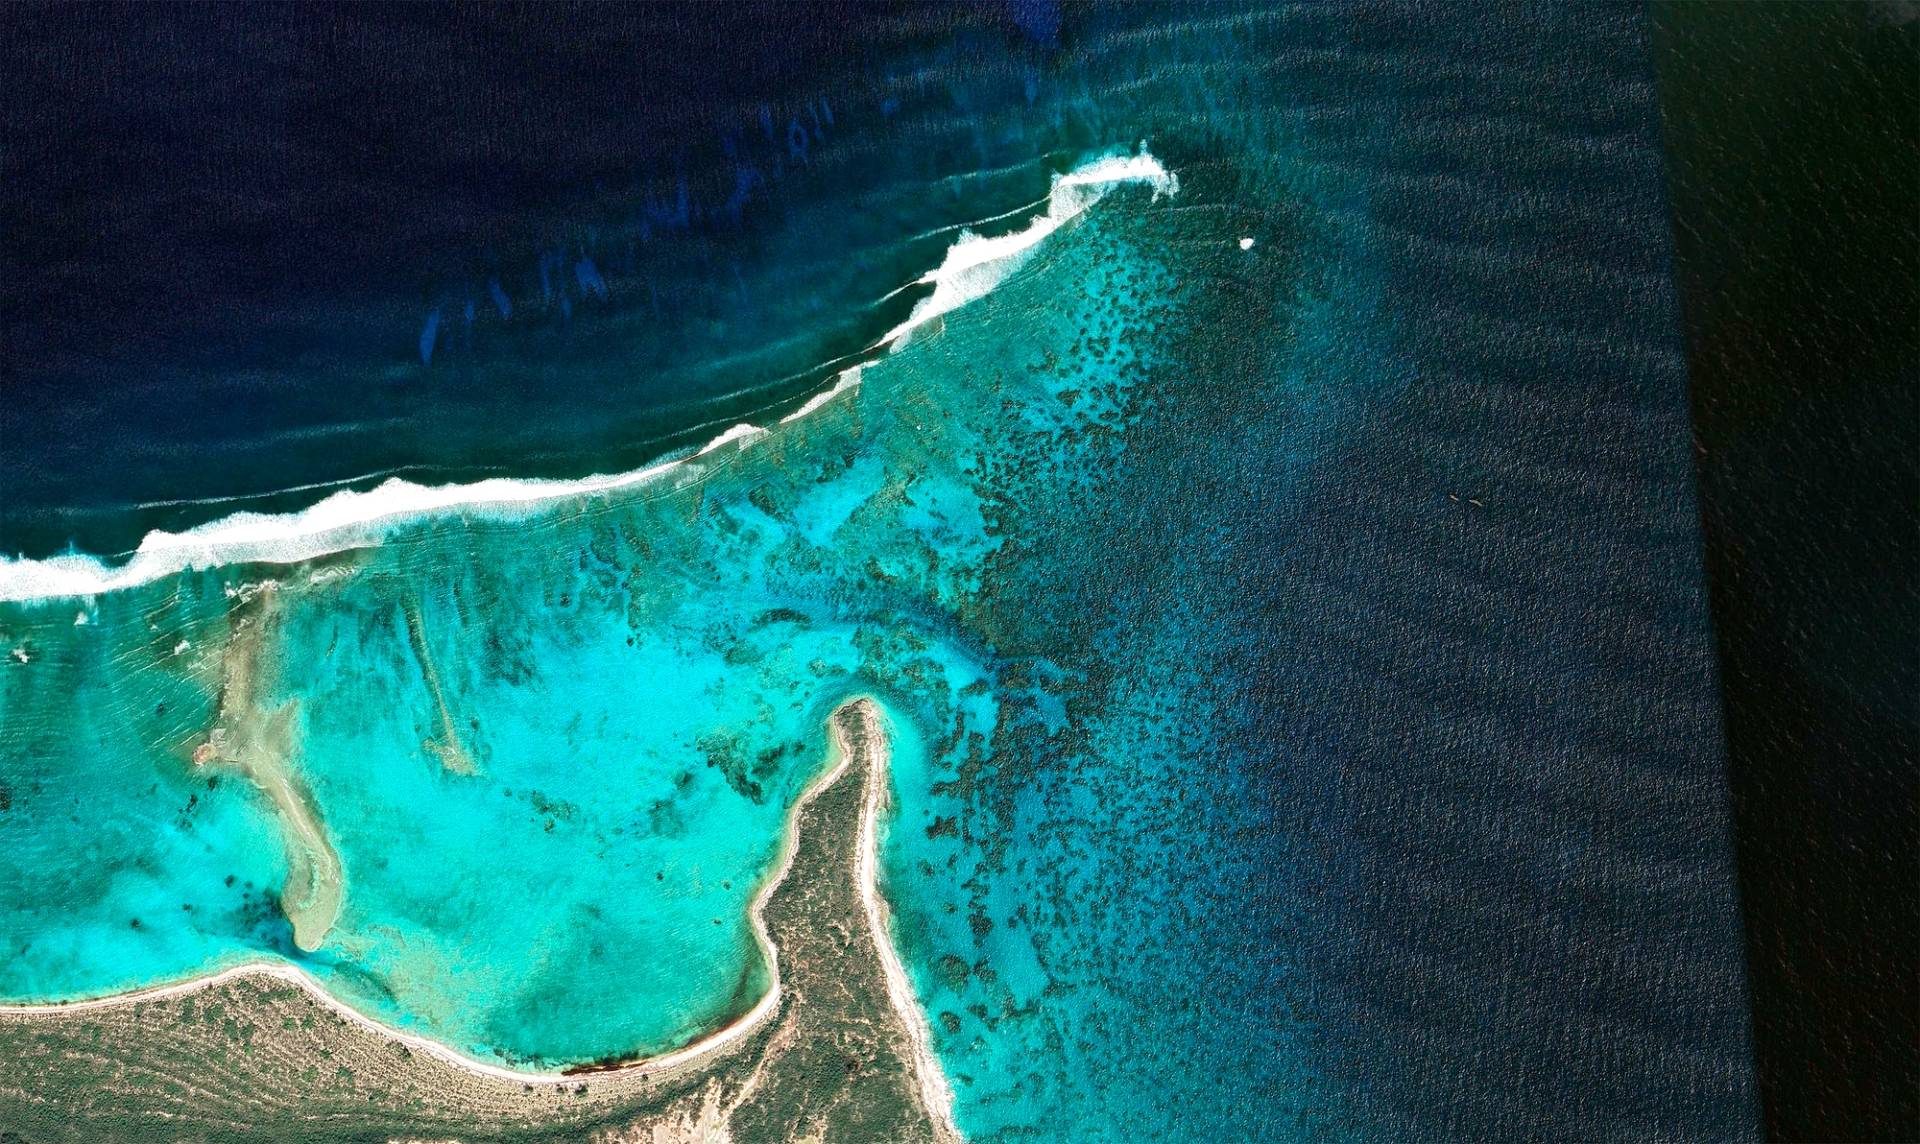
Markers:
{"x": 971, "y": 268}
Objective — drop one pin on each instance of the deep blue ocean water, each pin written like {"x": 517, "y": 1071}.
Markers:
{"x": 1297, "y": 651}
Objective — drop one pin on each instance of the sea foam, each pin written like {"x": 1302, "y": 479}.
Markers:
{"x": 973, "y": 265}
{"x": 351, "y": 519}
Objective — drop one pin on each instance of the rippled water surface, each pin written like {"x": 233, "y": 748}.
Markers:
{"x": 1285, "y": 594}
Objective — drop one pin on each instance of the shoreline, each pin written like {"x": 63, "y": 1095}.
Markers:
{"x": 841, "y": 755}
{"x": 936, "y": 1092}
{"x": 349, "y": 519}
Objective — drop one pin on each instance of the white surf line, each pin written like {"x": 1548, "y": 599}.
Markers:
{"x": 935, "y": 1091}
{"x": 845, "y": 380}
{"x": 708, "y": 1045}
{"x": 973, "y": 265}
{"x": 351, "y": 519}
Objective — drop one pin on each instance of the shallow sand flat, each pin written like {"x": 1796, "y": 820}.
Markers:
{"x": 260, "y": 744}
{"x": 253, "y": 1056}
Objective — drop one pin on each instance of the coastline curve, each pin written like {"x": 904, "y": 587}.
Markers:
{"x": 869, "y": 744}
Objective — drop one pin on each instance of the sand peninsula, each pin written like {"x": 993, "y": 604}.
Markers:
{"x": 838, "y": 1048}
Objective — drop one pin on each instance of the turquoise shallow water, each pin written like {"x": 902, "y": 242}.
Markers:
{"x": 1294, "y": 652}
{"x": 638, "y": 685}
{"x": 553, "y": 754}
